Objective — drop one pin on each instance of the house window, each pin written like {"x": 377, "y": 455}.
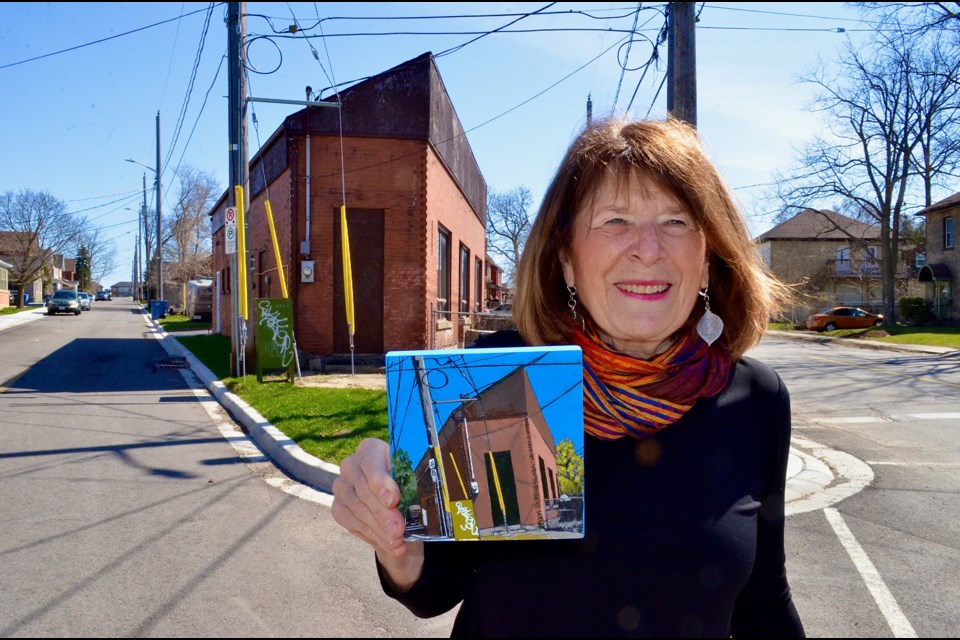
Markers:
{"x": 464, "y": 279}
{"x": 871, "y": 261}
{"x": 478, "y": 285}
{"x": 225, "y": 280}
{"x": 443, "y": 272}
{"x": 843, "y": 266}
{"x": 948, "y": 233}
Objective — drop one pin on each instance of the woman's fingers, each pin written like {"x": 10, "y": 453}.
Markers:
{"x": 366, "y": 497}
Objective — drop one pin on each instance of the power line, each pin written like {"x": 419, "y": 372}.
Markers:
{"x": 101, "y": 40}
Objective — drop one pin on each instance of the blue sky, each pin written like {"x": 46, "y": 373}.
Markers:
{"x": 556, "y": 374}
{"x": 82, "y": 84}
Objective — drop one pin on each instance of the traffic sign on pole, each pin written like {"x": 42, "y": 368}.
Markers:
{"x": 230, "y": 230}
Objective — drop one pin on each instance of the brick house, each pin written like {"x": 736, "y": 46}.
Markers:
{"x": 941, "y": 263}
{"x": 416, "y": 209}
{"x": 496, "y": 292}
{"x": 835, "y": 260}
{"x": 22, "y": 251}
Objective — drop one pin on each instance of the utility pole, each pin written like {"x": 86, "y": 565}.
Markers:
{"x": 237, "y": 93}
{"x": 142, "y": 233}
{"x": 159, "y": 226}
{"x": 682, "y": 62}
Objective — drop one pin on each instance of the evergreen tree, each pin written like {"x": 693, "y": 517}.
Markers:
{"x": 83, "y": 268}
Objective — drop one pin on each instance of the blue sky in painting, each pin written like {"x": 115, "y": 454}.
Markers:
{"x": 557, "y": 378}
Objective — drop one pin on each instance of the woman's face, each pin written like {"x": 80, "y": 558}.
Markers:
{"x": 637, "y": 259}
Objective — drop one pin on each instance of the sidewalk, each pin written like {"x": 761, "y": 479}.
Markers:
{"x": 16, "y": 319}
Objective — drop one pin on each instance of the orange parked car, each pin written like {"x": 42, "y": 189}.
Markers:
{"x": 843, "y": 318}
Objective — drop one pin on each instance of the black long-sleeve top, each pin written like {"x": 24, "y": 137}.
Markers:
{"x": 684, "y": 536}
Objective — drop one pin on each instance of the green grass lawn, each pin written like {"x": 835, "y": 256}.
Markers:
{"x": 7, "y": 311}
{"x": 326, "y": 423}
{"x": 931, "y": 336}
{"x": 173, "y": 322}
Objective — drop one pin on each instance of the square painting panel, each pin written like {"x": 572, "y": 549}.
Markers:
{"x": 487, "y": 444}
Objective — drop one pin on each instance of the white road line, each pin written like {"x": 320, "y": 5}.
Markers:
{"x": 906, "y": 417}
{"x": 933, "y": 416}
{"x": 897, "y": 622}
{"x": 913, "y": 464}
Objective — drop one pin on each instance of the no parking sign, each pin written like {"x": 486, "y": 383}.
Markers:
{"x": 230, "y": 230}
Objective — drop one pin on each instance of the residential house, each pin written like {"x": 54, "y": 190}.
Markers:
{"x": 5, "y": 300}
{"x": 834, "y": 259}
{"x": 496, "y": 293}
{"x": 122, "y": 289}
{"x": 62, "y": 274}
{"x": 940, "y": 270}
{"x": 415, "y": 208}
{"x": 23, "y": 252}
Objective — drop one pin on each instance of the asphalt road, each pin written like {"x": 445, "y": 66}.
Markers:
{"x": 884, "y": 561}
{"x": 127, "y": 512}
{"x": 133, "y": 506}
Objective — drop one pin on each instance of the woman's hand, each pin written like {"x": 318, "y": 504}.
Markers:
{"x": 365, "y": 499}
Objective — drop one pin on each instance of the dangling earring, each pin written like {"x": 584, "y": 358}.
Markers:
{"x": 711, "y": 325}
{"x": 572, "y": 304}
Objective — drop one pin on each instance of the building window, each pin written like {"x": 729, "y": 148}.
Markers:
{"x": 464, "y": 279}
{"x": 225, "y": 281}
{"x": 443, "y": 272}
{"x": 843, "y": 266}
{"x": 478, "y": 285}
{"x": 948, "y": 233}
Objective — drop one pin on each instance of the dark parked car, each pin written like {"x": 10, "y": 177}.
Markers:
{"x": 64, "y": 301}
{"x": 843, "y": 318}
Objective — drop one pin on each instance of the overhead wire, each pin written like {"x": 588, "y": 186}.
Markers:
{"x": 190, "y": 84}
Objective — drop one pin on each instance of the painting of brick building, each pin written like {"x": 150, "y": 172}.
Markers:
{"x": 488, "y": 443}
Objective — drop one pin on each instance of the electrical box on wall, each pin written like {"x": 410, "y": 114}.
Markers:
{"x": 306, "y": 271}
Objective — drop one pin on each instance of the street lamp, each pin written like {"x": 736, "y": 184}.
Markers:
{"x": 156, "y": 175}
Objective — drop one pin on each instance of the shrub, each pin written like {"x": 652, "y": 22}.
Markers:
{"x": 913, "y": 310}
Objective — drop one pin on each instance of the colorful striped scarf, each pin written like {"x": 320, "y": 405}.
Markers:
{"x": 628, "y": 396}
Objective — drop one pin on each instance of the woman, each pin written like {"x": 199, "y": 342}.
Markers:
{"x": 639, "y": 255}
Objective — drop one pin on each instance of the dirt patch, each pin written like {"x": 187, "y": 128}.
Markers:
{"x": 345, "y": 380}
{"x": 874, "y": 333}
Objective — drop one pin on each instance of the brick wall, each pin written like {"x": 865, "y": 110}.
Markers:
{"x": 409, "y": 183}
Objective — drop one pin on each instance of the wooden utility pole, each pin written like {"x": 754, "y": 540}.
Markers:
{"x": 237, "y": 93}
{"x": 682, "y": 62}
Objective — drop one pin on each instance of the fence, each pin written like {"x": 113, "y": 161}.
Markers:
{"x": 456, "y": 329}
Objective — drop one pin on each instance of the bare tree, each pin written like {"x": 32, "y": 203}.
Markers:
{"x": 187, "y": 230}
{"x": 892, "y": 114}
{"x": 35, "y": 227}
{"x": 102, "y": 253}
{"x": 508, "y": 224}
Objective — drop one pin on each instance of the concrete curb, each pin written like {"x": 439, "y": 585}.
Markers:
{"x": 284, "y": 452}
{"x": 862, "y": 344}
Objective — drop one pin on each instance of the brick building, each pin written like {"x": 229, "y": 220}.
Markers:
{"x": 416, "y": 209}
{"x": 941, "y": 269}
